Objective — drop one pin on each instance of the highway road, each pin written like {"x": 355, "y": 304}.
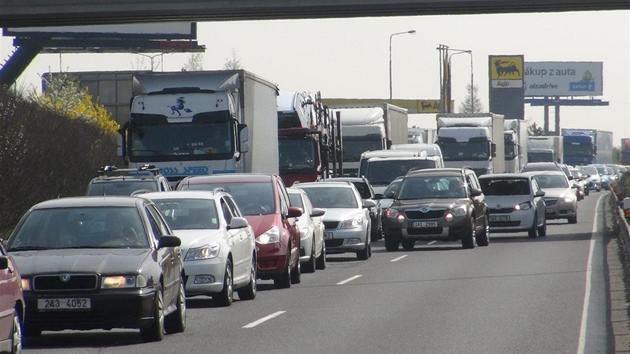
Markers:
{"x": 518, "y": 295}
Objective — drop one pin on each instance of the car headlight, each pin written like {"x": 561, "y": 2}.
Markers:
{"x": 459, "y": 211}
{"x": 26, "y": 284}
{"x": 354, "y": 223}
{"x": 208, "y": 251}
{"x": 270, "y": 236}
{"x": 119, "y": 282}
{"x": 523, "y": 206}
{"x": 395, "y": 214}
{"x": 569, "y": 198}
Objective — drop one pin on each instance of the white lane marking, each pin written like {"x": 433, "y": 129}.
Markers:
{"x": 349, "y": 280}
{"x": 264, "y": 319}
{"x": 399, "y": 258}
{"x": 589, "y": 279}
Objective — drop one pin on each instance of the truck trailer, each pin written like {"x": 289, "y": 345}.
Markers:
{"x": 545, "y": 149}
{"x": 203, "y": 122}
{"x": 587, "y": 146}
{"x": 369, "y": 128}
{"x": 475, "y": 140}
{"x": 515, "y": 134}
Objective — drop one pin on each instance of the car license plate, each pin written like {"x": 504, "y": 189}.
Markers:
{"x": 549, "y": 210}
{"x": 64, "y": 304}
{"x": 424, "y": 224}
{"x": 328, "y": 235}
{"x": 499, "y": 218}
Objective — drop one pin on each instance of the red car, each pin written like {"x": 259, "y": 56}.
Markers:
{"x": 11, "y": 305}
{"x": 264, "y": 202}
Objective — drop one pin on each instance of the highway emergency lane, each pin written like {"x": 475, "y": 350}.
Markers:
{"x": 517, "y": 295}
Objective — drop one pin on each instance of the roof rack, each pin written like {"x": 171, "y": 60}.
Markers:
{"x": 218, "y": 190}
{"x": 110, "y": 169}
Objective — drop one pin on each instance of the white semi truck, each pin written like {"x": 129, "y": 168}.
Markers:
{"x": 200, "y": 123}
{"x": 515, "y": 133}
{"x": 545, "y": 149}
{"x": 475, "y": 140}
{"x": 369, "y": 128}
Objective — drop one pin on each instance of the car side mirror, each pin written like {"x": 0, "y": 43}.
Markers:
{"x": 367, "y": 203}
{"x": 169, "y": 241}
{"x": 378, "y": 196}
{"x": 474, "y": 192}
{"x": 4, "y": 262}
{"x": 237, "y": 223}
{"x": 540, "y": 194}
{"x": 294, "y": 212}
{"x": 317, "y": 212}
{"x": 575, "y": 185}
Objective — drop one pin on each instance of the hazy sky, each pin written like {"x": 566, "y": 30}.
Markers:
{"x": 349, "y": 58}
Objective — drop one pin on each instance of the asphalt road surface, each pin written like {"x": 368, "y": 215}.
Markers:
{"x": 518, "y": 295}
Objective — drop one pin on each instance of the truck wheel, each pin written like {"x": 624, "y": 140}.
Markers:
{"x": 468, "y": 241}
{"x": 391, "y": 243}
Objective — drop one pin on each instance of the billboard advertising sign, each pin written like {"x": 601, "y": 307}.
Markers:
{"x": 170, "y": 30}
{"x": 555, "y": 78}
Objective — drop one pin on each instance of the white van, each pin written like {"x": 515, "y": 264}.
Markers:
{"x": 429, "y": 149}
{"x": 385, "y": 153}
{"x": 381, "y": 171}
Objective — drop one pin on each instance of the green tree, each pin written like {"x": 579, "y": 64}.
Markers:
{"x": 534, "y": 130}
{"x": 233, "y": 63}
{"x": 472, "y": 103}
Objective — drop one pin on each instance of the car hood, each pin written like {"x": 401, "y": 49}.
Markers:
{"x": 197, "y": 238}
{"x": 557, "y": 192}
{"x": 337, "y": 214}
{"x": 506, "y": 201}
{"x": 103, "y": 261}
{"x": 261, "y": 223}
{"x": 429, "y": 203}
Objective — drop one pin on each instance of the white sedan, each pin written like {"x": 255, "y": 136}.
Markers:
{"x": 218, "y": 244}
{"x": 312, "y": 247}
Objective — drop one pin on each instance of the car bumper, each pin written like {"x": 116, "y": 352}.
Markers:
{"x": 516, "y": 221}
{"x": 271, "y": 259}
{"x": 345, "y": 240}
{"x": 453, "y": 230}
{"x": 560, "y": 210}
{"x": 111, "y": 309}
{"x": 197, "y": 273}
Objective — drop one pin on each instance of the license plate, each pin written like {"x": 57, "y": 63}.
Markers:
{"x": 64, "y": 304}
{"x": 499, "y": 218}
{"x": 549, "y": 210}
{"x": 424, "y": 224}
{"x": 328, "y": 235}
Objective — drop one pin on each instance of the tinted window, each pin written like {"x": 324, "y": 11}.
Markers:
{"x": 383, "y": 172}
{"x": 552, "y": 181}
{"x": 331, "y": 197}
{"x": 252, "y": 198}
{"x": 505, "y": 186}
{"x": 187, "y": 214}
{"x": 426, "y": 187}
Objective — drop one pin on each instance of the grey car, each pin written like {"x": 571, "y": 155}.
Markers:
{"x": 560, "y": 199}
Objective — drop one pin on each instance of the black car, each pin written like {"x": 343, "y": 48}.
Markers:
{"x": 367, "y": 193}
{"x": 127, "y": 181}
{"x": 444, "y": 204}
{"x": 99, "y": 263}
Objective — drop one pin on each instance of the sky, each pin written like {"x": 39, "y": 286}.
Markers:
{"x": 349, "y": 58}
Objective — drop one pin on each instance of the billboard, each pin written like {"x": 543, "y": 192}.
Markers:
{"x": 556, "y": 78}
{"x": 506, "y": 71}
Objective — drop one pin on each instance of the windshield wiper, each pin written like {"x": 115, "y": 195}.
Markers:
{"x": 28, "y": 248}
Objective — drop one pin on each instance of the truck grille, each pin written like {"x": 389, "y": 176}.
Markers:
{"x": 65, "y": 282}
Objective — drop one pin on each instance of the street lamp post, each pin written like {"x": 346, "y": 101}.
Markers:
{"x": 390, "y": 58}
{"x": 462, "y": 51}
{"x": 445, "y": 75}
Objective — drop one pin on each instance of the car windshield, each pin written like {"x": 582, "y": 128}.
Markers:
{"x": 541, "y": 167}
{"x": 427, "y": 187}
{"x": 331, "y": 197}
{"x": 552, "y": 181}
{"x": 80, "y": 227}
{"x": 120, "y": 187}
{"x": 504, "y": 186}
{"x": 189, "y": 214}
{"x": 391, "y": 189}
{"x": 253, "y": 198}
{"x": 383, "y": 172}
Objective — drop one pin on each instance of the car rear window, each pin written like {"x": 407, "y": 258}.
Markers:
{"x": 121, "y": 187}
{"x": 505, "y": 186}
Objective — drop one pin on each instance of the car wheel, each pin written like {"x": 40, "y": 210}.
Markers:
{"x": 226, "y": 296}
{"x": 16, "y": 335}
{"x": 542, "y": 230}
{"x": 468, "y": 241}
{"x": 309, "y": 266}
{"x": 483, "y": 239}
{"x": 284, "y": 281}
{"x": 533, "y": 231}
{"x": 249, "y": 291}
{"x": 155, "y": 331}
{"x": 364, "y": 254}
{"x": 573, "y": 220}
{"x": 296, "y": 273}
{"x": 407, "y": 244}
{"x": 176, "y": 321}
{"x": 320, "y": 262}
{"x": 391, "y": 243}
{"x": 586, "y": 191}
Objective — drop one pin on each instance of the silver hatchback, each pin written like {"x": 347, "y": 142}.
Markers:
{"x": 515, "y": 203}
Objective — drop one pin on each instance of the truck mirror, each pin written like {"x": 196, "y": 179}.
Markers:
{"x": 493, "y": 149}
{"x": 120, "y": 150}
{"x": 243, "y": 135}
